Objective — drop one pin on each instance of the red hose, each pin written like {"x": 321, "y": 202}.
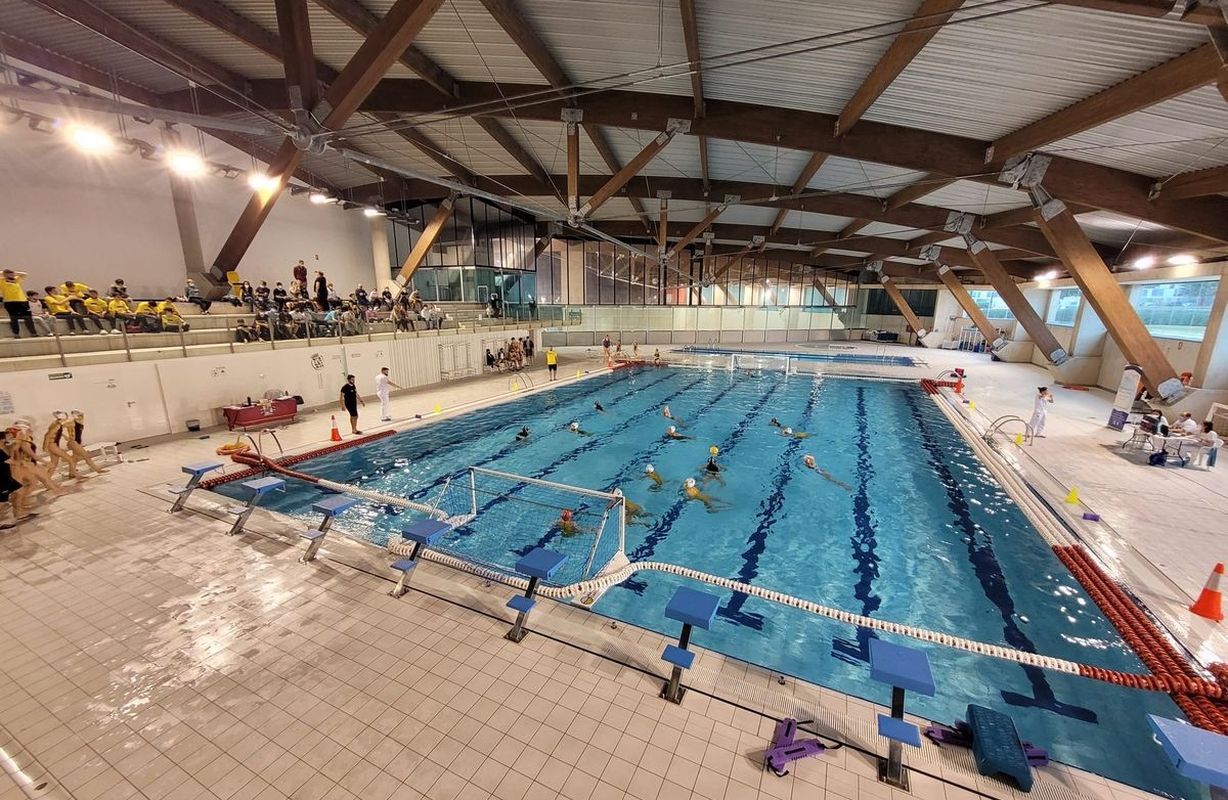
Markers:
{"x": 253, "y": 460}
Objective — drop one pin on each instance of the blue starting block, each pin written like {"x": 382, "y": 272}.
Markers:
{"x": 1197, "y": 754}
{"x": 901, "y": 668}
{"x": 255, "y": 490}
{"x": 692, "y": 608}
{"x": 197, "y": 470}
{"x": 423, "y": 533}
{"x": 329, "y": 507}
{"x": 540, "y": 564}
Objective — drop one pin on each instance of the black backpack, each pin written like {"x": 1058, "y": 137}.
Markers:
{"x": 1157, "y": 459}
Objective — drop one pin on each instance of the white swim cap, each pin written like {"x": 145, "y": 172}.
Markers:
{"x": 808, "y": 459}
{"x": 690, "y": 483}
{"x": 575, "y": 426}
{"x": 648, "y": 470}
{"x": 672, "y": 429}
{"x": 788, "y": 431}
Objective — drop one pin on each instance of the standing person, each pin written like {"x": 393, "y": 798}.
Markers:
{"x": 299, "y": 272}
{"x": 350, "y": 401}
{"x": 552, "y": 363}
{"x": 74, "y": 427}
{"x": 320, "y": 287}
{"x": 1044, "y": 398}
{"x": 118, "y": 289}
{"x": 16, "y": 303}
{"x": 382, "y": 383}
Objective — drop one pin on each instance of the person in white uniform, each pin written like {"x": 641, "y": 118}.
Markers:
{"x": 382, "y": 385}
{"x": 1040, "y": 410}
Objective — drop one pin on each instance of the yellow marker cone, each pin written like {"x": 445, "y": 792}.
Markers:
{"x": 438, "y": 408}
{"x": 577, "y": 373}
{"x": 515, "y": 387}
{"x": 1019, "y": 439}
{"x": 1072, "y": 496}
{"x": 972, "y": 405}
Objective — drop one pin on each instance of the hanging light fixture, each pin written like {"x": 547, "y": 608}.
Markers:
{"x": 89, "y": 139}
{"x": 261, "y": 181}
{"x": 319, "y": 198}
{"x": 185, "y": 163}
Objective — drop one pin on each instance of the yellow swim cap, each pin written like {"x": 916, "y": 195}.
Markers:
{"x": 713, "y": 450}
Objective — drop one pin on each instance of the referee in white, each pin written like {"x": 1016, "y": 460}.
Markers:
{"x": 382, "y": 385}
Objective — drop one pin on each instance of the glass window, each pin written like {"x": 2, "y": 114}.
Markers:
{"x": 991, "y": 303}
{"x": 1175, "y": 310}
{"x": 1063, "y": 305}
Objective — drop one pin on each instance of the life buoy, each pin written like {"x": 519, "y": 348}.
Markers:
{"x": 234, "y": 448}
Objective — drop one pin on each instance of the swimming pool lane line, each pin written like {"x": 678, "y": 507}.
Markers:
{"x": 863, "y": 542}
{"x": 989, "y": 574}
{"x": 768, "y": 508}
{"x": 661, "y": 529}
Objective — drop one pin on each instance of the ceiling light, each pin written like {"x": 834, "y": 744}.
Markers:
{"x": 261, "y": 182}
{"x": 185, "y": 163}
{"x": 89, "y": 139}
{"x": 319, "y": 198}
{"x": 1181, "y": 259}
{"x": 373, "y": 212}
{"x": 1144, "y": 262}
{"x": 1047, "y": 276}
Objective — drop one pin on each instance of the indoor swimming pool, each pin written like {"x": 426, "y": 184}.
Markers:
{"x": 828, "y": 358}
{"x": 921, "y": 535}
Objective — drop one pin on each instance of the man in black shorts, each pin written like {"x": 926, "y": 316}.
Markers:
{"x": 350, "y": 401}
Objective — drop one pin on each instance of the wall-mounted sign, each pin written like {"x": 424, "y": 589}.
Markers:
{"x": 317, "y": 361}
{"x": 6, "y": 403}
{"x": 59, "y": 376}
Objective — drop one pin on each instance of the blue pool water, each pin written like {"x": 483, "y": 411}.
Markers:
{"x": 831, "y": 358}
{"x": 923, "y": 536}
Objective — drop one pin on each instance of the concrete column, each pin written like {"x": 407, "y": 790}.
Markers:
{"x": 1106, "y": 296}
{"x": 189, "y": 230}
{"x": 965, "y": 301}
{"x": 381, "y": 255}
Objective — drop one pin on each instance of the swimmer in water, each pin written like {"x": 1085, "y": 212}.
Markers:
{"x": 672, "y": 433}
{"x": 523, "y": 435}
{"x": 790, "y": 433}
{"x": 634, "y": 512}
{"x": 576, "y": 429}
{"x": 775, "y": 423}
{"x": 810, "y": 463}
{"x": 598, "y": 407}
{"x": 693, "y": 492}
{"x": 566, "y": 524}
{"x": 657, "y": 481}
{"x": 656, "y": 357}
{"x": 712, "y": 470}
{"x": 665, "y": 412}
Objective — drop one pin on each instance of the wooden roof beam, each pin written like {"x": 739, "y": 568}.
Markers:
{"x": 1197, "y": 183}
{"x": 929, "y": 17}
{"x": 633, "y": 167}
{"x": 807, "y": 173}
{"x": 690, "y": 35}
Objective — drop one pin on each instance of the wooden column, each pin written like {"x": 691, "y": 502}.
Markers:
{"x": 425, "y": 242}
{"x": 572, "y": 116}
{"x": 982, "y": 323}
{"x": 1107, "y": 297}
{"x": 1004, "y": 285}
{"x": 906, "y": 310}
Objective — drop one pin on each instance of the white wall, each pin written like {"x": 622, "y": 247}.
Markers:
{"x": 67, "y": 215}
{"x": 128, "y": 401}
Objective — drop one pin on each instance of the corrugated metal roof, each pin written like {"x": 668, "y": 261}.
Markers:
{"x": 889, "y": 231}
{"x": 820, "y": 80}
{"x": 754, "y": 163}
{"x": 989, "y": 77}
{"x": 1186, "y": 133}
{"x": 812, "y": 221}
{"x": 862, "y": 177}
{"x": 597, "y": 39}
{"x": 179, "y": 28}
{"x": 977, "y": 198}
{"x": 680, "y": 158}
{"x": 1109, "y": 228}
{"x": 53, "y": 32}
{"x": 464, "y": 40}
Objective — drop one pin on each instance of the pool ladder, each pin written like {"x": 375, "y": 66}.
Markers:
{"x": 997, "y": 424}
{"x": 258, "y": 442}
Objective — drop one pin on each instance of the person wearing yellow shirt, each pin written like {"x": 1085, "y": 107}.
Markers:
{"x": 169, "y": 314}
{"x": 76, "y": 294}
{"x": 120, "y": 312}
{"x": 16, "y": 304}
{"x": 147, "y": 317}
{"x": 552, "y": 363}
{"x": 57, "y": 306}
{"x": 98, "y": 312}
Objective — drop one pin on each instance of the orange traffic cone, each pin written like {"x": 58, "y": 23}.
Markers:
{"x": 336, "y": 434}
{"x": 1210, "y": 603}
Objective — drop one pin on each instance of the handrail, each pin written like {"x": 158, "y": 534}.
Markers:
{"x": 1029, "y": 435}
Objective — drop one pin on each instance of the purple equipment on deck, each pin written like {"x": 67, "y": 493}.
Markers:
{"x": 960, "y": 735}
{"x": 785, "y": 748}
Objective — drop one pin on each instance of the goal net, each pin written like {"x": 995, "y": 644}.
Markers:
{"x": 499, "y": 517}
{"x": 758, "y": 362}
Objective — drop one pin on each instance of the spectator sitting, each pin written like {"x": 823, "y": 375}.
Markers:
{"x": 246, "y": 295}
{"x": 361, "y": 297}
{"x": 147, "y": 317}
{"x": 169, "y": 316}
{"x": 43, "y": 323}
{"x": 245, "y": 333}
{"x": 96, "y": 309}
{"x": 120, "y": 313}
{"x": 76, "y": 293}
{"x": 301, "y": 322}
{"x": 1185, "y": 425}
{"x": 261, "y": 326}
{"x": 415, "y": 301}
{"x": 386, "y": 300}
{"x": 400, "y": 318}
{"x": 58, "y": 307}
{"x": 332, "y": 318}
{"x": 118, "y": 289}
{"x": 279, "y": 296}
{"x": 192, "y": 295}
{"x": 334, "y": 299}
{"x": 349, "y": 321}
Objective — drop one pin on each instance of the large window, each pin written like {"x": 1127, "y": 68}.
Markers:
{"x": 921, "y": 301}
{"x": 1175, "y": 310}
{"x": 991, "y": 303}
{"x": 1063, "y": 306}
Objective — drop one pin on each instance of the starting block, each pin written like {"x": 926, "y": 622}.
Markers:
{"x": 197, "y": 470}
